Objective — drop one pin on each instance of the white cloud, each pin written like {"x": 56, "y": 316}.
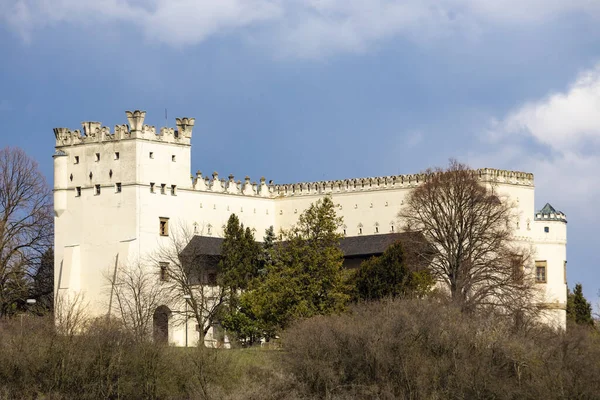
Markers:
{"x": 565, "y": 130}
{"x": 302, "y": 28}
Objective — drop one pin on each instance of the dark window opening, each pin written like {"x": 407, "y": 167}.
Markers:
{"x": 78, "y": 191}
{"x": 117, "y": 155}
{"x": 163, "y": 227}
{"x": 164, "y": 271}
{"x": 97, "y": 190}
{"x": 118, "y": 187}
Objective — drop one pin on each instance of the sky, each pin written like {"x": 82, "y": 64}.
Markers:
{"x": 327, "y": 89}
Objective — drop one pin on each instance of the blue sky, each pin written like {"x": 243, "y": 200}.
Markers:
{"x": 327, "y": 89}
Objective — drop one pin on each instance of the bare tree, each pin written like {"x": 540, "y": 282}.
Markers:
{"x": 183, "y": 268}
{"x": 137, "y": 292}
{"x": 470, "y": 229}
{"x": 25, "y": 225}
{"x": 70, "y": 313}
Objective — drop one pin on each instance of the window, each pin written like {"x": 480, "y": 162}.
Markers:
{"x": 163, "y": 227}
{"x": 151, "y": 155}
{"x": 97, "y": 157}
{"x": 173, "y": 158}
{"x": 546, "y": 229}
{"x": 517, "y": 269}
{"x": 392, "y": 228}
{"x": 211, "y": 278}
{"x": 376, "y": 229}
{"x": 164, "y": 271}
{"x": 76, "y": 160}
{"x": 360, "y": 231}
{"x": 97, "y": 190}
{"x": 118, "y": 187}
{"x": 540, "y": 271}
{"x": 116, "y": 155}
{"x": 162, "y": 188}
{"x": 173, "y": 190}
{"x": 152, "y": 187}
{"x": 78, "y": 191}
{"x": 565, "y": 271}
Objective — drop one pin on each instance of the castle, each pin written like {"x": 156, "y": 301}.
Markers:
{"x": 116, "y": 193}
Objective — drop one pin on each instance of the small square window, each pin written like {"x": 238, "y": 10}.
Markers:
{"x": 163, "y": 188}
{"x": 97, "y": 190}
{"x": 546, "y": 229}
{"x": 97, "y": 157}
{"x": 164, "y": 271}
{"x": 151, "y": 155}
{"x": 117, "y": 155}
{"x": 173, "y": 190}
{"x": 540, "y": 271}
{"x": 78, "y": 191}
{"x": 173, "y": 158}
{"x": 163, "y": 227}
{"x": 152, "y": 187}
{"x": 118, "y": 187}
{"x": 76, "y": 160}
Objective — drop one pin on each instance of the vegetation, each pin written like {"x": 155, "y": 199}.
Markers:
{"x": 303, "y": 276}
{"x": 579, "y": 310}
{"x": 26, "y": 217}
{"x": 390, "y": 276}
{"x": 470, "y": 229}
{"x": 403, "y": 348}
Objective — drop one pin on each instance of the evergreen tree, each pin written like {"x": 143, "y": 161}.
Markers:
{"x": 579, "y": 310}
{"x": 42, "y": 289}
{"x": 239, "y": 256}
{"x": 239, "y": 265}
{"x": 306, "y": 276}
{"x": 388, "y": 276}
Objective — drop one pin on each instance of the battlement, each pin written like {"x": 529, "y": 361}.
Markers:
{"x": 272, "y": 190}
{"x": 94, "y": 132}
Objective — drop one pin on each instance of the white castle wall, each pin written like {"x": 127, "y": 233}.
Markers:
{"x": 91, "y": 230}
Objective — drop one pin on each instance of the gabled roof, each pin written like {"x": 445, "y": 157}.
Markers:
{"x": 549, "y": 213}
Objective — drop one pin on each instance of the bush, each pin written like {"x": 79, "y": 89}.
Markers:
{"x": 421, "y": 349}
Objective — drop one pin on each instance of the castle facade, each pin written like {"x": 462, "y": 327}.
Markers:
{"x": 117, "y": 194}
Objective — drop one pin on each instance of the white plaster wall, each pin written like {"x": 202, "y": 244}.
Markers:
{"x": 552, "y": 248}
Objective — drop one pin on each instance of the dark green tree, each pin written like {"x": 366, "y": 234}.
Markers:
{"x": 42, "y": 287}
{"x": 579, "y": 310}
{"x": 239, "y": 266}
{"x": 389, "y": 276}
{"x": 240, "y": 253}
{"x": 306, "y": 276}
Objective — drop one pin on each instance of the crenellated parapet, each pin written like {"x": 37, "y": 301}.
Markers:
{"x": 271, "y": 190}
{"x": 504, "y": 176}
{"x": 94, "y": 132}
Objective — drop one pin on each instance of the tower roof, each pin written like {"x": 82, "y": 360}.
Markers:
{"x": 549, "y": 213}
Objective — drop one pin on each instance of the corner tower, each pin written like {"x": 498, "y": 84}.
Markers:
{"x": 550, "y": 236}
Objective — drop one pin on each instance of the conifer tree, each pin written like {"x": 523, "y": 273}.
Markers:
{"x": 389, "y": 276}
{"x": 306, "y": 276}
{"x": 579, "y": 310}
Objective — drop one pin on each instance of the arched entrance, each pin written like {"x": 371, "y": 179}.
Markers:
{"x": 161, "y": 324}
